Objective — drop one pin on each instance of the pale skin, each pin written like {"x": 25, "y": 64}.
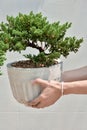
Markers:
{"x": 75, "y": 82}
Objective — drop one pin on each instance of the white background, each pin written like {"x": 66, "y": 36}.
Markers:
{"x": 70, "y": 112}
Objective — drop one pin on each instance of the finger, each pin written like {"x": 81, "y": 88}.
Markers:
{"x": 39, "y": 105}
{"x": 41, "y": 82}
{"x": 34, "y": 102}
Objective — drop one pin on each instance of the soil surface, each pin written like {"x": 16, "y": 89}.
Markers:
{"x": 26, "y": 64}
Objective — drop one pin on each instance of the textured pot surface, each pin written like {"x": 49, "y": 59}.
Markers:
{"x": 21, "y": 80}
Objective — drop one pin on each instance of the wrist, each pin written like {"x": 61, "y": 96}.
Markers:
{"x": 76, "y": 87}
{"x": 67, "y": 88}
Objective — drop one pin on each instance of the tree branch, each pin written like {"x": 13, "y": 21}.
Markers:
{"x": 31, "y": 44}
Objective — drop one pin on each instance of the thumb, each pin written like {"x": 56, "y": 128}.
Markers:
{"x": 33, "y": 102}
{"x": 41, "y": 82}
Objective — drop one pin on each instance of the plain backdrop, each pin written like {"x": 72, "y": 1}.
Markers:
{"x": 70, "y": 112}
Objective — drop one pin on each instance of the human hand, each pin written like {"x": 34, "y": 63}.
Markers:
{"x": 50, "y": 94}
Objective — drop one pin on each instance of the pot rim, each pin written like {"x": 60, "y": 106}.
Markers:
{"x": 19, "y": 68}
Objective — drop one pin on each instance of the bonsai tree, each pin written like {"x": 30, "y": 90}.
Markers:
{"x": 34, "y": 30}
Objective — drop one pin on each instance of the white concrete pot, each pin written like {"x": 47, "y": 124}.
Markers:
{"x": 20, "y": 80}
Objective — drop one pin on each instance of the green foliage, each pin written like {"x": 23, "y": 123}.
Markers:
{"x": 34, "y": 30}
